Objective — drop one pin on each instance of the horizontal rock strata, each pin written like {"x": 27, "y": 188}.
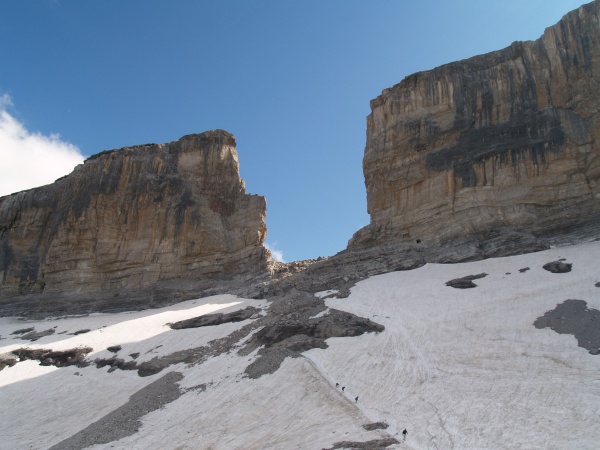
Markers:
{"x": 134, "y": 227}
{"x": 503, "y": 140}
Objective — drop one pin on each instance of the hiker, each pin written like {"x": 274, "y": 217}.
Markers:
{"x": 404, "y": 433}
{"x": 337, "y": 384}
{"x": 343, "y": 387}
{"x": 356, "y": 399}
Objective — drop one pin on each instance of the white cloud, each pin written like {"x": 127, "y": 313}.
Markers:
{"x": 275, "y": 253}
{"x": 29, "y": 159}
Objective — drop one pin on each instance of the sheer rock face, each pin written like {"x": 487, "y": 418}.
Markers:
{"x": 507, "y": 139}
{"x": 132, "y": 220}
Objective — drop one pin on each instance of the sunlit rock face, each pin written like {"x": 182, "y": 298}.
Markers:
{"x": 506, "y": 139}
{"x": 140, "y": 218}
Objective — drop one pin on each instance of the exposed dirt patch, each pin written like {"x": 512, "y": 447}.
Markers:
{"x": 34, "y": 336}
{"x": 335, "y": 324}
{"x": 114, "y": 348}
{"x": 558, "y": 267}
{"x": 47, "y": 357}
{"x": 465, "y": 282}
{"x": 597, "y": 284}
{"x": 23, "y": 330}
{"x": 115, "y": 363}
{"x": 573, "y": 317}
{"x": 375, "y": 426}
{"x": 125, "y": 421}
{"x": 7, "y": 362}
{"x": 287, "y": 328}
{"x": 371, "y": 445}
{"x": 215, "y": 319}
{"x": 290, "y": 337}
{"x": 524, "y": 269}
{"x": 78, "y": 332}
{"x": 190, "y": 356}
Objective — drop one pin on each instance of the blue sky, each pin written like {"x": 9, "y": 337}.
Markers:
{"x": 291, "y": 80}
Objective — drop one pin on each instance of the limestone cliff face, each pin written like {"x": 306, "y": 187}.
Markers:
{"x": 128, "y": 220}
{"x": 506, "y": 139}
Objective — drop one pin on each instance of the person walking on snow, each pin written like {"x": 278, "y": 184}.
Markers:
{"x": 404, "y": 434}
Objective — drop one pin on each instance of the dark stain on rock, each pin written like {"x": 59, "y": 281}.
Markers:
{"x": 575, "y": 318}
{"x": 527, "y": 136}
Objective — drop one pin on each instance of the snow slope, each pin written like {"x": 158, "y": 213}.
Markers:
{"x": 458, "y": 368}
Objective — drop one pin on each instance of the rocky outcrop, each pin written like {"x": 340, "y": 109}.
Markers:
{"x": 210, "y": 320}
{"x": 507, "y": 140}
{"x": 139, "y": 226}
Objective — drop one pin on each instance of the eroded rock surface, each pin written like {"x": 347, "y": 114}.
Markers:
{"x": 558, "y": 267}
{"x": 369, "y": 445}
{"x": 7, "y": 362}
{"x": 288, "y": 335}
{"x": 137, "y": 227}
{"x": 126, "y": 420}
{"x": 47, "y": 357}
{"x": 35, "y": 335}
{"x": 376, "y": 426}
{"x": 506, "y": 140}
{"x": 465, "y": 282}
{"x": 575, "y": 318}
{"x": 215, "y": 319}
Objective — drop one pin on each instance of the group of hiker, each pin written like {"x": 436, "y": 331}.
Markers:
{"x": 404, "y": 432}
{"x": 344, "y": 390}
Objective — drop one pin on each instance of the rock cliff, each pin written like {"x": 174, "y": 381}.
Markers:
{"x": 133, "y": 227}
{"x": 505, "y": 140}
{"x": 492, "y": 156}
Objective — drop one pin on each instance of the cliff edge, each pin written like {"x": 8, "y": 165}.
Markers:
{"x": 503, "y": 141}
{"x": 135, "y": 227}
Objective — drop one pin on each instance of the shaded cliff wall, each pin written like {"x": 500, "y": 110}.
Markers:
{"x": 506, "y": 139}
{"x": 131, "y": 219}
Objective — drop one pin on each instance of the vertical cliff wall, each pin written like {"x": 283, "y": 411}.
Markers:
{"x": 506, "y": 139}
{"x": 171, "y": 216}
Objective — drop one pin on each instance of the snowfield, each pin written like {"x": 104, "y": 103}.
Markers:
{"x": 458, "y": 368}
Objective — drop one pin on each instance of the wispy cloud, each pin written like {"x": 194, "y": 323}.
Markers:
{"x": 275, "y": 253}
{"x": 29, "y": 159}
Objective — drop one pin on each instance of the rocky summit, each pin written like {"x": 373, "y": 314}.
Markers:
{"x": 135, "y": 227}
{"x": 508, "y": 140}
